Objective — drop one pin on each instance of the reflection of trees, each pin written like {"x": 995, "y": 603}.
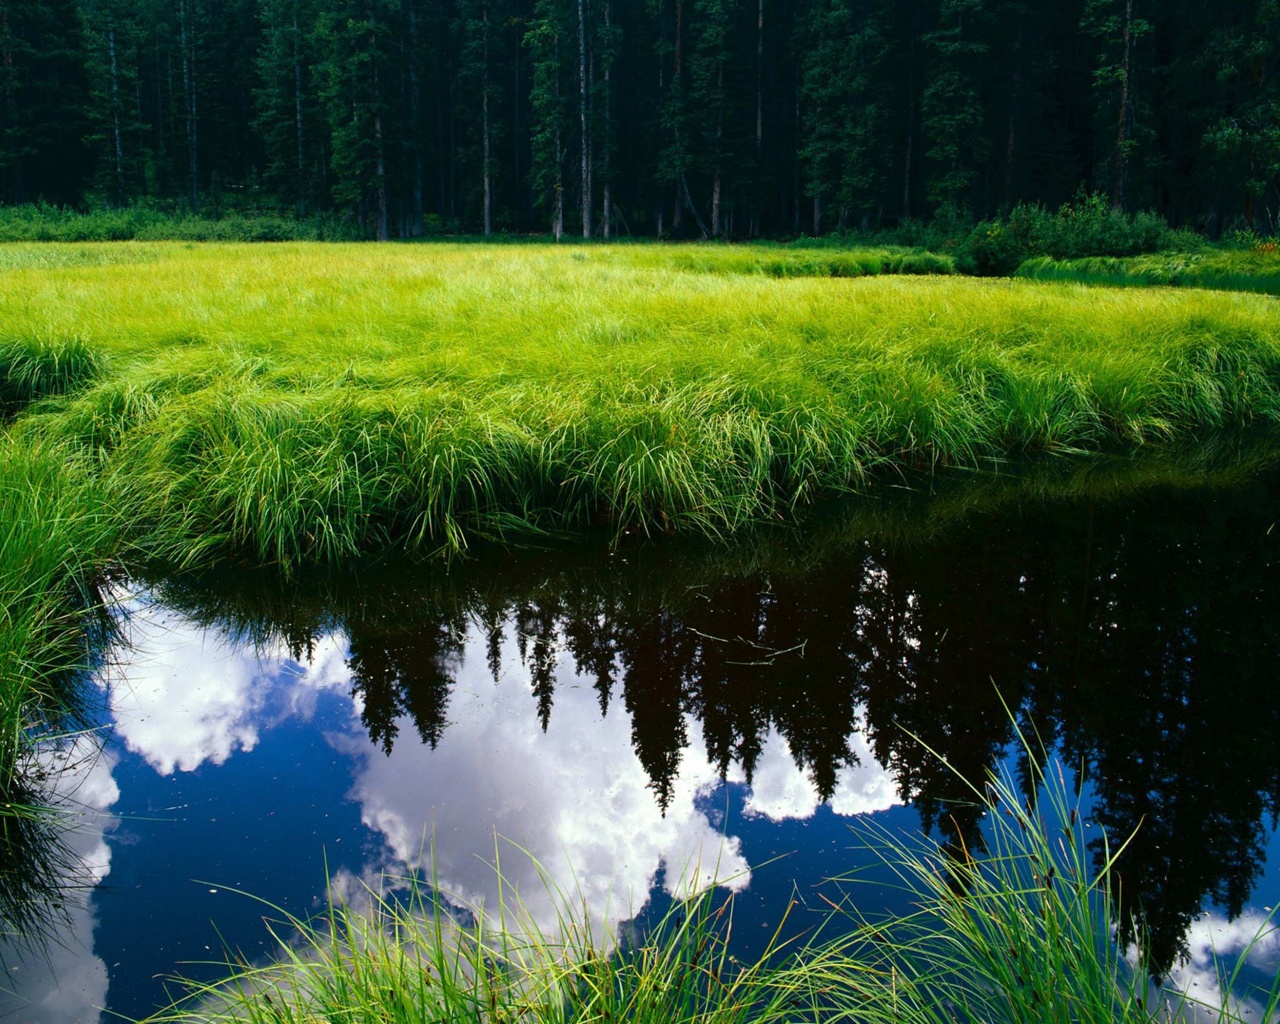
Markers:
{"x": 1141, "y": 636}
{"x": 1172, "y": 704}
{"x": 399, "y": 671}
{"x": 42, "y": 715}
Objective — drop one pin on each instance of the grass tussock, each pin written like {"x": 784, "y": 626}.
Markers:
{"x": 1244, "y": 270}
{"x": 34, "y": 369}
{"x": 55, "y": 528}
{"x": 1024, "y": 932}
{"x": 410, "y": 954}
{"x": 299, "y": 403}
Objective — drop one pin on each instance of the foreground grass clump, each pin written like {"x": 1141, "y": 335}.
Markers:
{"x": 304, "y": 403}
{"x": 1243, "y": 270}
{"x": 54, "y": 530}
{"x": 1023, "y": 933}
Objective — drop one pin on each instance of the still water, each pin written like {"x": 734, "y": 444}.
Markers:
{"x": 648, "y": 717}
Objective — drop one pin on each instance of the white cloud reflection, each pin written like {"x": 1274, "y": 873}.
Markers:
{"x": 1248, "y": 946}
{"x": 780, "y": 790}
{"x": 184, "y": 695}
{"x": 65, "y": 982}
{"x": 576, "y": 800}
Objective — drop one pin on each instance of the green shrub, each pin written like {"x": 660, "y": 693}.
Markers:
{"x": 1086, "y": 227}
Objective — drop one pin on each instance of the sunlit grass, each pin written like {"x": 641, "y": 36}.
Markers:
{"x": 301, "y": 402}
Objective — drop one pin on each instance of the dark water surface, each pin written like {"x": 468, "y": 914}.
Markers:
{"x": 644, "y": 717}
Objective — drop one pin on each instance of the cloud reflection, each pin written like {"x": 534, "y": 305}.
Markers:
{"x": 575, "y": 799}
{"x": 66, "y": 983}
{"x": 1216, "y": 945}
{"x": 185, "y": 695}
{"x": 781, "y": 791}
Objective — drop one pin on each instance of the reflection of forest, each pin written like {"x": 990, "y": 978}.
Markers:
{"x": 1140, "y": 636}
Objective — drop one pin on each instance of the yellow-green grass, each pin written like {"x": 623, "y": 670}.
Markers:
{"x": 304, "y": 402}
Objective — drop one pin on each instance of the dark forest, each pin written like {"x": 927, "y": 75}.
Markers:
{"x": 609, "y": 118}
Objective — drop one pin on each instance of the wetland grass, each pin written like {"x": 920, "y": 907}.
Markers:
{"x": 296, "y": 402}
{"x": 1022, "y": 933}
{"x": 1245, "y": 270}
{"x": 55, "y": 530}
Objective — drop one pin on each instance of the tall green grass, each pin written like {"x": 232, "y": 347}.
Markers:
{"x": 55, "y": 528}
{"x": 33, "y": 369}
{"x": 1246, "y": 270}
{"x": 305, "y": 403}
{"x": 407, "y": 953}
{"x": 1022, "y": 933}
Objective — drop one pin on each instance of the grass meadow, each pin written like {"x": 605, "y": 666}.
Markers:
{"x": 298, "y": 402}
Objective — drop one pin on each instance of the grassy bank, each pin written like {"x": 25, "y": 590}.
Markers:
{"x": 1246, "y": 270}
{"x": 296, "y": 403}
{"x": 54, "y": 530}
{"x": 1021, "y": 933}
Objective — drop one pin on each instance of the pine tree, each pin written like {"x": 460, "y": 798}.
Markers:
{"x": 954, "y": 115}
{"x": 1117, "y": 28}
{"x": 544, "y": 39}
{"x": 44, "y": 97}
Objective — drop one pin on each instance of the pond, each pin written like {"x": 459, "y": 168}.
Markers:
{"x": 635, "y": 718}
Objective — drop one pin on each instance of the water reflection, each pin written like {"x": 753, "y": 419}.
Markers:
{"x": 636, "y": 714}
{"x": 1141, "y": 636}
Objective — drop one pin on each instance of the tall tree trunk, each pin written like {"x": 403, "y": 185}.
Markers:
{"x": 380, "y": 155}
{"x": 1120, "y": 173}
{"x": 582, "y": 117}
{"x": 484, "y": 103}
{"x": 515, "y": 141}
{"x": 754, "y": 227}
{"x": 557, "y": 216}
{"x": 798, "y": 191}
{"x": 912, "y": 32}
{"x": 115, "y": 112}
{"x": 137, "y": 114}
{"x": 187, "y": 42}
{"x": 384, "y": 231}
{"x": 662, "y": 98}
{"x": 607, "y": 223}
{"x": 10, "y": 108}
{"x": 557, "y": 212}
{"x": 297, "y": 120}
{"x": 1015, "y": 104}
{"x": 717, "y": 229}
{"x": 677, "y": 221}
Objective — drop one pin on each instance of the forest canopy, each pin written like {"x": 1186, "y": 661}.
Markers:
{"x": 681, "y": 118}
